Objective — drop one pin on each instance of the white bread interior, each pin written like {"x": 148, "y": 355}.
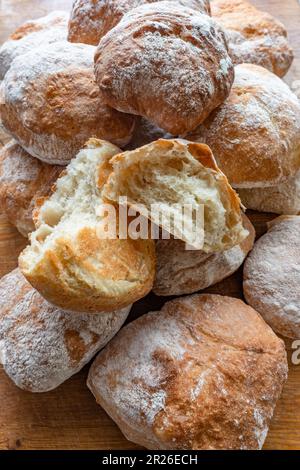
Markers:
{"x": 178, "y": 172}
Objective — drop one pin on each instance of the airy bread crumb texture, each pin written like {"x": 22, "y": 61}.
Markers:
{"x": 68, "y": 260}
{"x": 173, "y": 173}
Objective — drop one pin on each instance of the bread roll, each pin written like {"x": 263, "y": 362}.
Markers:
{"x": 272, "y": 276}
{"x": 146, "y": 132}
{"x": 254, "y": 36}
{"x": 42, "y": 346}
{"x": 166, "y": 63}
{"x": 70, "y": 260}
{"x": 23, "y": 181}
{"x": 173, "y": 174}
{"x": 281, "y": 199}
{"x": 255, "y": 134}
{"x": 51, "y": 103}
{"x": 33, "y": 34}
{"x": 180, "y": 271}
{"x": 90, "y": 20}
{"x": 203, "y": 373}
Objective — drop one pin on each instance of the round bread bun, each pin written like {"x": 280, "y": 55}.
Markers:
{"x": 205, "y": 372}
{"x": 146, "y": 132}
{"x": 281, "y": 199}
{"x": 254, "y": 36}
{"x": 166, "y": 63}
{"x": 272, "y": 276}
{"x": 180, "y": 271}
{"x": 51, "y": 103}
{"x": 33, "y": 34}
{"x": 90, "y": 20}
{"x": 255, "y": 134}
{"x": 163, "y": 179}
{"x": 23, "y": 180}
{"x": 71, "y": 260}
{"x": 42, "y": 346}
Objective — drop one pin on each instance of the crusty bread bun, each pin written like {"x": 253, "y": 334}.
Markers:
{"x": 180, "y": 271}
{"x": 281, "y": 199}
{"x": 42, "y": 346}
{"x": 23, "y": 180}
{"x": 272, "y": 276}
{"x": 166, "y": 63}
{"x": 174, "y": 174}
{"x": 90, "y": 20}
{"x": 255, "y": 134}
{"x": 203, "y": 373}
{"x": 70, "y": 260}
{"x": 33, "y": 34}
{"x": 146, "y": 132}
{"x": 254, "y": 36}
{"x": 51, "y": 103}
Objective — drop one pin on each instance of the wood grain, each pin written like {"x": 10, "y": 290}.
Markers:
{"x": 68, "y": 418}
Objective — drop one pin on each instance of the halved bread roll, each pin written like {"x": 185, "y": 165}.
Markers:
{"x": 168, "y": 175}
{"x": 69, "y": 261}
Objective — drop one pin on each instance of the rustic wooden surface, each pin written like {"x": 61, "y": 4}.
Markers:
{"x": 68, "y": 418}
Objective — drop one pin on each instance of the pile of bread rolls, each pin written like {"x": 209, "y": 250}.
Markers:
{"x": 161, "y": 102}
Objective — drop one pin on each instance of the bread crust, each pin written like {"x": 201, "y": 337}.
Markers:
{"x": 272, "y": 276}
{"x": 281, "y": 199}
{"x": 255, "y": 134}
{"x": 207, "y": 374}
{"x": 52, "y": 103}
{"x": 33, "y": 34}
{"x": 137, "y": 66}
{"x": 90, "y": 20}
{"x": 23, "y": 181}
{"x": 146, "y": 132}
{"x": 83, "y": 271}
{"x": 254, "y": 37}
{"x": 41, "y": 346}
{"x": 180, "y": 271}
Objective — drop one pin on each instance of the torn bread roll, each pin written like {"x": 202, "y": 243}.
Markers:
{"x": 23, "y": 181}
{"x": 72, "y": 261}
{"x": 90, "y": 20}
{"x": 182, "y": 271}
{"x": 41, "y": 346}
{"x": 167, "y": 63}
{"x": 281, "y": 199}
{"x": 207, "y": 373}
{"x": 165, "y": 178}
{"x": 255, "y": 134}
{"x": 51, "y": 104}
{"x": 254, "y": 36}
{"x": 33, "y": 34}
{"x": 272, "y": 276}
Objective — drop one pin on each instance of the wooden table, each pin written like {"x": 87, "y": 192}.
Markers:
{"x": 68, "y": 418}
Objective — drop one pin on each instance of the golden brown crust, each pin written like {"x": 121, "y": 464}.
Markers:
{"x": 124, "y": 270}
{"x": 255, "y": 134}
{"x": 208, "y": 375}
{"x": 23, "y": 182}
{"x": 254, "y": 36}
{"x": 180, "y": 271}
{"x": 52, "y": 104}
{"x": 137, "y": 66}
{"x": 90, "y": 20}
